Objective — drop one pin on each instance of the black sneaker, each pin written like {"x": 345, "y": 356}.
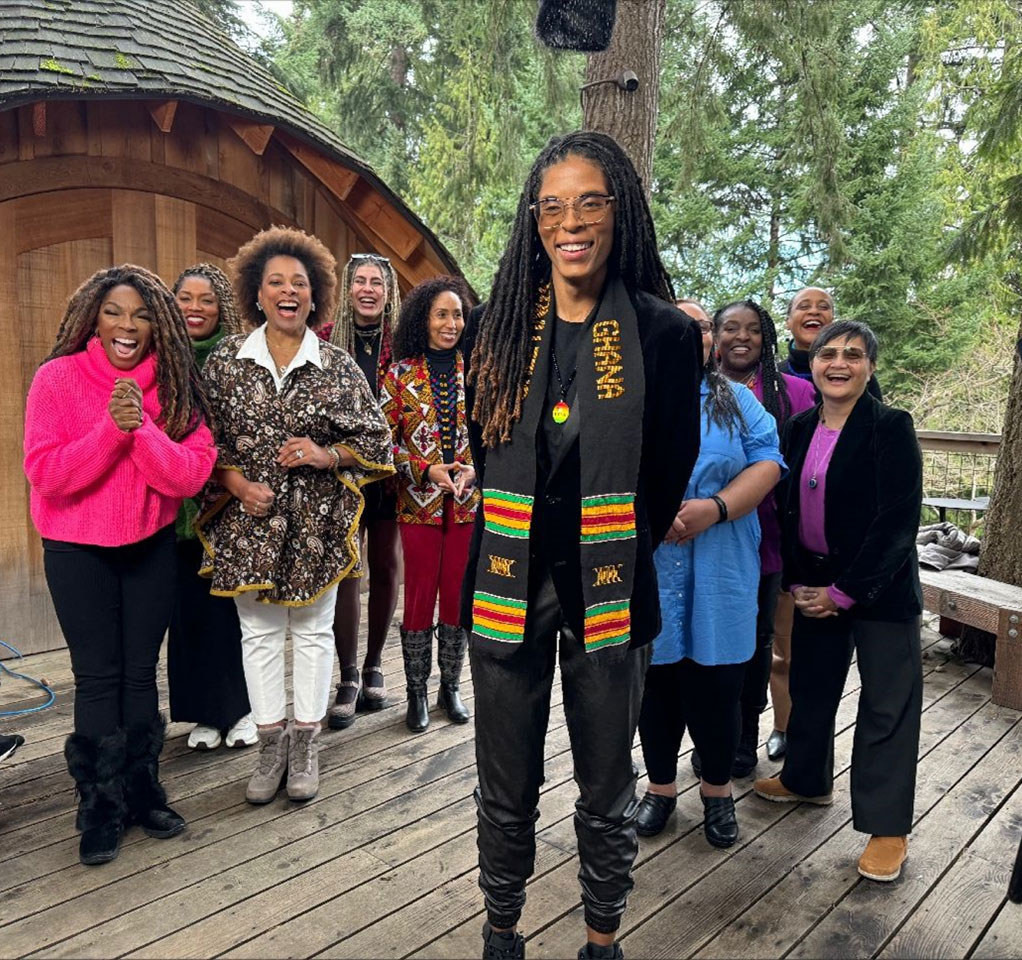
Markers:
{"x": 9, "y": 742}
{"x": 502, "y": 946}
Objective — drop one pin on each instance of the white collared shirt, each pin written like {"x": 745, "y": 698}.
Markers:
{"x": 256, "y": 348}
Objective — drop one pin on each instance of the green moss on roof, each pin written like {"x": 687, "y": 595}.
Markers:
{"x": 54, "y": 67}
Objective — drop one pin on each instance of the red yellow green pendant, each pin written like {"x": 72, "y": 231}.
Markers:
{"x": 560, "y": 411}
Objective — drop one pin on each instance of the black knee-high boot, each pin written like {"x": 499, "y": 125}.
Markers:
{"x": 452, "y": 642}
{"x": 97, "y": 766}
{"x": 417, "y": 651}
{"x": 146, "y": 798}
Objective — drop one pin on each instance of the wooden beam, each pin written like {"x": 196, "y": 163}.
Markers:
{"x": 162, "y": 112}
{"x": 335, "y": 177}
{"x": 256, "y": 135}
{"x": 954, "y": 442}
{"x": 26, "y": 178}
{"x": 39, "y": 118}
{"x": 384, "y": 219}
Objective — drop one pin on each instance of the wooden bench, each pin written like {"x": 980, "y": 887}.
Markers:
{"x": 989, "y": 605}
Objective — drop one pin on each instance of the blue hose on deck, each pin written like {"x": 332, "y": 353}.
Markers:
{"x": 32, "y": 680}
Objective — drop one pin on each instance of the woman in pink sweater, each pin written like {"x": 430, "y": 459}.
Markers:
{"x": 115, "y": 439}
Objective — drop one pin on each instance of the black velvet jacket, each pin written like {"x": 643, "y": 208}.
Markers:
{"x": 872, "y": 504}
{"x": 672, "y": 360}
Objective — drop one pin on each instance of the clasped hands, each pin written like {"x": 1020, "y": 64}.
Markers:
{"x": 693, "y": 517}
{"x": 125, "y": 405}
{"x": 257, "y": 498}
{"x": 815, "y": 602}
{"x": 454, "y": 478}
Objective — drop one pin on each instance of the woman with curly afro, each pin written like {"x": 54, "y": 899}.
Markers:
{"x": 299, "y": 435}
{"x": 424, "y": 402}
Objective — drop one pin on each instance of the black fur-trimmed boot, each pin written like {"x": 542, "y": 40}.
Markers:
{"x": 417, "y": 651}
{"x": 97, "y": 766}
{"x": 146, "y": 798}
{"x": 452, "y": 642}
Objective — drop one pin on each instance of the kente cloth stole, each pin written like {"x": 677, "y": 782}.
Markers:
{"x": 609, "y": 402}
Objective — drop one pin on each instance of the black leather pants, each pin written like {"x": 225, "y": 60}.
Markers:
{"x": 601, "y": 706}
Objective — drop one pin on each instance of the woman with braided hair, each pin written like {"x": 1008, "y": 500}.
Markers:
{"x": 707, "y": 582}
{"x": 115, "y": 439}
{"x": 424, "y": 404}
{"x": 747, "y": 346}
{"x": 583, "y": 389}
{"x": 300, "y": 435}
{"x": 204, "y": 672}
{"x": 368, "y": 306}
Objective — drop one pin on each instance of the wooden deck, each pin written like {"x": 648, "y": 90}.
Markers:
{"x": 382, "y": 863}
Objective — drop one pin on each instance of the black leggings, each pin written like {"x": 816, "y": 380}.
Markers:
{"x": 113, "y": 605}
{"x": 703, "y": 698}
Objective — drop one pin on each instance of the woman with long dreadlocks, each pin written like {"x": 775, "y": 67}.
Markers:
{"x": 707, "y": 585}
{"x": 425, "y": 407}
{"x": 747, "y": 349}
{"x": 369, "y": 303}
{"x": 115, "y": 439}
{"x": 584, "y": 392}
{"x": 300, "y": 435}
{"x": 204, "y": 672}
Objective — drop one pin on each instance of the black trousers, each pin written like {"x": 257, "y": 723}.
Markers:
{"x": 886, "y": 745}
{"x": 204, "y": 670}
{"x": 703, "y": 698}
{"x": 757, "y": 670}
{"x": 113, "y": 605}
{"x": 601, "y": 706}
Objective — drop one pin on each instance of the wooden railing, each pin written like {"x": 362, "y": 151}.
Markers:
{"x": 984, "y": 443}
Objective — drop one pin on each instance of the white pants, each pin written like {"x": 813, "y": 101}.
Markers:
{"x": 263, "y": 630}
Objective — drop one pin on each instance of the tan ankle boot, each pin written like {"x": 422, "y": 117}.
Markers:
{"x": 272, "y": 768}
{"x": 883, "y": 857}
{"x": 303, "y": 763}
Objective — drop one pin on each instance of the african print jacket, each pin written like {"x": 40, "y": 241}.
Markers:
{"x": 309, "y": 540}
{"x": 407, "y": 401}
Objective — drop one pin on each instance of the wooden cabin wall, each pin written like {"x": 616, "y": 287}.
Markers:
{"x": 104, "y": 185}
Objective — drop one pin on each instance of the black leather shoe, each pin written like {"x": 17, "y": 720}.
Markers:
{"x": 417, "y": 718}
{"x": 594, "y": 951}
{"x": 719, "y": 821}
{"x": 653, "y": 813}
{"x": 777, "y": 744}
{"x": 746, "y": 756}
{"x": 502, "y": 946}
{"x": 449, "y": 700}
{"x": 697, "y": 763}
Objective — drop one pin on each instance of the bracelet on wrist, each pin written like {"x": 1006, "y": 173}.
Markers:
{"x": 335, "y": 458}
{"x": 721, "y": 507}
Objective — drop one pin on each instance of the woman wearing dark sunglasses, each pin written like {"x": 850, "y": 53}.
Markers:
{"x": 849, "y": 514}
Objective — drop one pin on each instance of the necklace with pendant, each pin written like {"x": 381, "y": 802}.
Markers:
{"x": 561, "y": 410}
{"x": 817, "y": 459}
{"x": 368, "y": 338}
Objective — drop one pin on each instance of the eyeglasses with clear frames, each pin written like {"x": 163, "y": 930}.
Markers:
{"x": 848, "y": 354}
{"x": 589, "y": 208}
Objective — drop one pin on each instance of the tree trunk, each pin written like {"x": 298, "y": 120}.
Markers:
{"x": 629, "y": 116}
{"x": 1001, "y": 553}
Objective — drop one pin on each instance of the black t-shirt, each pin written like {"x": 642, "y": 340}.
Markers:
{"x": 369, "y": 360}
{"x": 566, "y": 338}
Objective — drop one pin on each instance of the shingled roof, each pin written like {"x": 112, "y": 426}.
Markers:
{"x": 153, "y": 49}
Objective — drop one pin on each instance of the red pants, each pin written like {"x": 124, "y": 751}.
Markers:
{"x": 435, "y": 560}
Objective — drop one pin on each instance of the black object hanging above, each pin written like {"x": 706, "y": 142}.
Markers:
{"x": 583, "y": 25}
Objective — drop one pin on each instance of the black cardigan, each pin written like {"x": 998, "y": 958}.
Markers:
{"x": 872, "y": 504}
{"x": 672, "y": 360}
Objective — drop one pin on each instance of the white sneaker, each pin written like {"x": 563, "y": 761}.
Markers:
{"x": 244, "y": 733}
{"x": 203, "y": 737}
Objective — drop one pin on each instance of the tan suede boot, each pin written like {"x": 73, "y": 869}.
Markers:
{"x": 883, "y": 857}
{"x": 272, "y": 769}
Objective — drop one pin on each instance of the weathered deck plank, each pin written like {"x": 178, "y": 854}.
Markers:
{"x": 383, "y": 862}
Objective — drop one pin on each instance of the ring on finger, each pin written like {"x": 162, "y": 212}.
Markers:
{"x": 299, "y": 454}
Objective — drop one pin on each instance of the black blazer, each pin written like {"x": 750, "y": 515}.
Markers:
{"x": 672, "y": 360}
{"x": 871, "y": 510}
